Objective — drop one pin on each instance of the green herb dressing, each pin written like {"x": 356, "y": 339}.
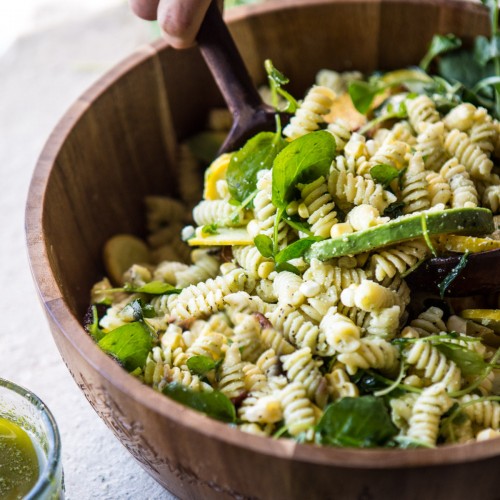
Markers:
{"x": 19, "y": 464}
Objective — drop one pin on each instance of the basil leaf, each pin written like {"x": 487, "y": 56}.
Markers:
{"x": 153, "y": 288}
{"x": 296, "y": 249}
{"x": 384, "y": 174}
{"x": 469, "y": 362}
{"x": 264, "y": 245}
{"x": 286, "y": 266}
{"x": 439, "y": 45}
{"x": 362, "y": 94}
{"x": 200, "y": 365}
{"x": 450, "y": 277}
{"x": 461, "y": 66}
{"x": 93, "y": 327}
{"x": 258, "y": 153}
{"x": 298, "y": 224}
{"x": 362, "y": 422}
{"x": 303, "y": 160}
{"x": 129, "y": 344}
{"x": 215, "y": 404}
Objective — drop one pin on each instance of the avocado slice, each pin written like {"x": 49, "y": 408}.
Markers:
{"x": 470, "y": 221}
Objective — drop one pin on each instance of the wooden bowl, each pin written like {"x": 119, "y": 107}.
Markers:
{"x": 116, "y": 144}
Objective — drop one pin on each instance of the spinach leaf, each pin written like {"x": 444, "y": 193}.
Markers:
{"x": 298, "y": 224}
{"x": 450, "y": 277}
{"x": 215, "y": 404}
{"x": 258, "y": 153}
{"x": 462, "y": 66}
{"x": 201, "y": 365}
{"x": 362, "y": 422}
{"x": 286, "y": 266}
{"x": 264, "y": 245}
{"x": 93, "y": 327}
{"x": 469, "y": 362}
{"x": 296, "y": 249}
{"x": 363, "y": 93}
{"x": 384, "y": 174}
{"x": 303, "y": 160}
{"x": 152, "y": 288}
{"x": 129, "y": 344}
{"x": 439, "y": 45}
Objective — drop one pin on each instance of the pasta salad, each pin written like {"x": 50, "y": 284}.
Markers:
{"x": 283, "y": 308}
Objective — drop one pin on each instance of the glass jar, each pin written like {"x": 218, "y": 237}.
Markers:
{"x": 23, "y": 409}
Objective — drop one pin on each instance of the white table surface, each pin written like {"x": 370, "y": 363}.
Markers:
{"x": 40, "y": 76}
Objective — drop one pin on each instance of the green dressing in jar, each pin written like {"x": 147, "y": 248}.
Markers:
{"x": 19, "y": 466}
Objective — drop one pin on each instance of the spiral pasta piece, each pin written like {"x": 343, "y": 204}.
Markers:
{"x": 184, "y": 377}
{"x": 300, "y": 367}
{"x": 439, "y": 190}
{"x": 296, "y": 329}
{"x": 308, "y": 117}
{"x": 231, "y": 376}
{"x": 415, "y": 193}
{"x": 298, "y": 411}
{"x": 430, "y": 144}
{"x": 318, "y": 207}
{"x": 434, "y": 365}
{"x": 429, "y": 322}
{"x": 340, "y": 385}
{"x": 208, "y": 297}
{"x": 485, "y": 413}
{"x": 426, "y": 414}
{"x": 250, "y": 259}
{"x": 373, "y": 352}
{"x": 341, "y": 132}
{"x": 421, "y": 110}
{"x": 491, "y": 198}
{"x": 468, "y": 154}
{"x": 397, "y": 259}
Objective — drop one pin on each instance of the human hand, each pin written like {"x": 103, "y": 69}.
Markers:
{"x": 179, "y": 20}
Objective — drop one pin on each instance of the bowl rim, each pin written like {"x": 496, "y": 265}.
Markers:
{"x": 56, "y": 308}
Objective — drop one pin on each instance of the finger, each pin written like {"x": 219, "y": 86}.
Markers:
{"x": 145, "y": 9}
{"x": 181, "y": 20}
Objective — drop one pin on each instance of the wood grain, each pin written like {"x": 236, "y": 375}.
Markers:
{"x": 117, "y": 144}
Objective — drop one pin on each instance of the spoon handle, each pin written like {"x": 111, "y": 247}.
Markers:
{"x": 226, "y": 65}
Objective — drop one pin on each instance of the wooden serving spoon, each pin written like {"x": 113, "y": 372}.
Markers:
{"x": 250, "y": 114}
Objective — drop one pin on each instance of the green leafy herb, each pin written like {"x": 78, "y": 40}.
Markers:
{"x": 296, "y": 249}
{"x": 394, "y": 210}
{"x": 384, "y": 174}
{"x": 201, "y": 365}
{"x": 363, "y": 93}
{"x": 469, "y": 362}
{"x": 152, "y": 288}
{"x": 298, "y": 224}
{"x": 215, "y": 404}
{"x": 303, "y": 160}
{"x": 452, "y": 275}
{"x": 362, "y": 422}
{"x": 286, "y": 266}
{"x": 439, "y": 45}
{"x": 129, "y": 344}
{"x": 276, "y": 81}
{"x": 93, "y": 328}
{"x": 264, "y": 245}
{"x": 258, "y": 153}
{"x": 210, "y": 229}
